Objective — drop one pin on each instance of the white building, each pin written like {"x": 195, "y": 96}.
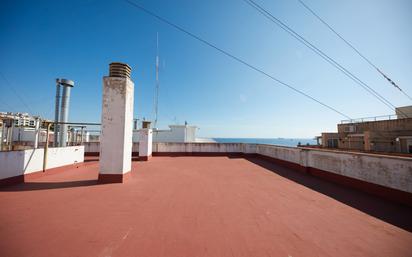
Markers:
{"x": 20, "y": 119}
{"x": 176, "y": 134}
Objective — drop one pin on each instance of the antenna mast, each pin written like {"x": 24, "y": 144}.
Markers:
{"x": 156, "y": 96}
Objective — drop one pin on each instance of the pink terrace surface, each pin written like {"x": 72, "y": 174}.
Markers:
{"x": 198, "y": 206}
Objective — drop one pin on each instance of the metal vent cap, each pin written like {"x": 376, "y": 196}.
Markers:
{"x": 65, "y": 82}
{"x": 121, "y": 70}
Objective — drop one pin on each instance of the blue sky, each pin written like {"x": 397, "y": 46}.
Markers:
{"x": 43, "y": 40}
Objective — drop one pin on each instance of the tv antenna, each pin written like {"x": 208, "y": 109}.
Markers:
{"x": 156, "y": 94}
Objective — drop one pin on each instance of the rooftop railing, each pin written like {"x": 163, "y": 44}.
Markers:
{"x": 367, "y": 119}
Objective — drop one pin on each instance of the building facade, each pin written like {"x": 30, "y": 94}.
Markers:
{"x": 392, "y": 134}
{"x": 380, "y": 136}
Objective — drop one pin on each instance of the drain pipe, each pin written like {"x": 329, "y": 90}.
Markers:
{"x": 56, "y": 114}
{"x": 37, "y": 133}
{"x": 11, "y": 129}
{"x": 3, "y": 125}
{"x": 46, "y": 147}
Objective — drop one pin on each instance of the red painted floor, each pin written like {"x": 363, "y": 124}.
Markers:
{"x": 198, "y": 206}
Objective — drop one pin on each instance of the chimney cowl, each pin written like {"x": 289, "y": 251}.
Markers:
{"x": 120, "y": 70}
{"x": 65, "y": 82}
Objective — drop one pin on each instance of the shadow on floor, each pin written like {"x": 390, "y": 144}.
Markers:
{"x": 33, "y": 186}
{"x": 91, "y": 159}
{"x": 396, "y": 214}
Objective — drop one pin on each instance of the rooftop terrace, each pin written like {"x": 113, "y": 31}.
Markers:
{"x": 198, "y": 206}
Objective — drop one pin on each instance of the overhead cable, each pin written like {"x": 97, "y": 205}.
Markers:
{"x": 354, "y": 48}
{"x": 181, "y": 29}
{"x": 320, "y": 53}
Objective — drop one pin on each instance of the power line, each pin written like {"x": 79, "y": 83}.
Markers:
{"x": 15, "y": 92}
{"x": 230, "y": 55}
{"x": 319, "y": 52}
{"x": 7, "y": 105}
{"x": 354, "y": 48}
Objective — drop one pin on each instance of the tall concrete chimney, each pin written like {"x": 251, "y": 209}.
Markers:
{"x": 117, "y": 121}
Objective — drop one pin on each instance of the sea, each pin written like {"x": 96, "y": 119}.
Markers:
{"x": 293, "y": 142}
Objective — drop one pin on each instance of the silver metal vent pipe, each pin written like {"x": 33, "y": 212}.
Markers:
{"x": 64, "y": 109}
{"x": 56, "y": 114}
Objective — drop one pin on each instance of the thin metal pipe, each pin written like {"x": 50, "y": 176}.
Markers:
{"x": 64, "y": 114}
{"x": 11, "y": 135}
{"x": 56, "y": 113}
{"x": 46, "y": 148}
{"x": 37, "y": 133}
{"x": 2, "y": 135}
{"x": 78, "y": 123}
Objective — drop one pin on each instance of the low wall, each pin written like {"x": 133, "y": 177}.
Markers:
{"x": 16, "y": 164}
{"x": 388, "y": 171}
{"x": 93, "y": 148}
{"x": 373, "y": 172}
{"x": 193, "y": 148}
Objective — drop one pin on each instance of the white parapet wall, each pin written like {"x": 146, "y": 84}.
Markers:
{"x": 17, "y": 163}
{"x": 389, "y": 171}
{"x": 91, "y": 147}
{"x": 289, "y": 154}
{"x": 198, "y": 148}
{"x": 94, "y": 147}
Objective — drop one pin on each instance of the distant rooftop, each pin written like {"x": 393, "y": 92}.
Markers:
{"x": 401, "y": 113}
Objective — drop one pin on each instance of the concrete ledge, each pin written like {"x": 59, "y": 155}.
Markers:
{"x": 144, "y": 158}
{"x": 367, "y": 187}
{"x": 199, "y": 154}
{"x": 113, "y": 178}
{"x": 91, "y": 154}
{"x": 98, "y": 154}
{"x": 290, "y": 165}
{"x": 26, "y": 177}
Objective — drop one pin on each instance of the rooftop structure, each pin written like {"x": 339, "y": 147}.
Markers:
{"x": 391, "y": 134}
{"x": 20, "y": 119}
{"x": 198, "y": 199}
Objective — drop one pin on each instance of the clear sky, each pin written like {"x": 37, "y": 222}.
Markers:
{"x": 43, "y": 40}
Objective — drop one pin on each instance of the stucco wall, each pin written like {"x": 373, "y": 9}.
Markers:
{"x": 393, "y": 172}
{"x": 15, "y": 163}
{"x": 290, "y": 154}
{"x": 116, "y": 130}
{"x": 198, "y": 147}
{"x": 389, "y": 171}
{"x": 94, "y": 147}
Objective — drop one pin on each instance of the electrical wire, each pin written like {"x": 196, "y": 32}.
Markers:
{"x": 319, "y": 52}
{"x": 158, "y": 17}
{"x": 8, "y": 106}
{"x": 353, "y": 48}
{"x": 15, "y": 92}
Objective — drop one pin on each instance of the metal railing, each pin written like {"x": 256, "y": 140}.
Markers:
{"x": 368, "y": 119}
